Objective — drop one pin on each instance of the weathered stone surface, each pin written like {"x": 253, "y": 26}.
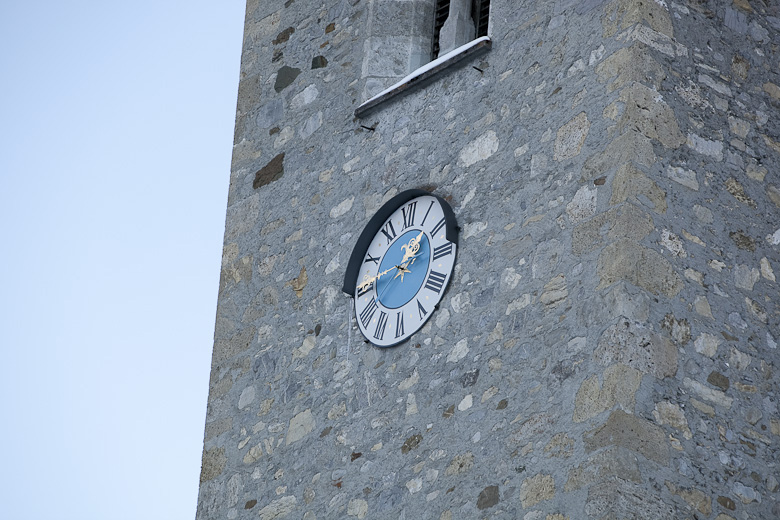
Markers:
{"x": 624, "y": 221}
{"x": 630, "y": 182}
{"x": 707, "y": 344}
{"x": 745, "y": 277}
{"x": 213, "y": 463}
{"x": 646, "y": 112}
{"x": 620, "y": 15}
{"x": 671, "y": 414}
{"x": 773, "y": 192}
{"x": 300, "y": 426}
{"x": 247, "y": 397}
{"x": 694, "y": 497}
{"x": 616, "y": 498}
{"x": 227, "y": 348}
{"x": 682, "y": 176}
{"x": 628, "y": 147}
{"x": 627, "y": 260}
{"x": 743, "y": 241}
{"x": 704, "y": 146}
{"x": 630, "y": 432}
{"x": 620, "y": 385}
{"x": 636, "y": 346}
{"x": 280, "y": 508}
{"x": 612, "y": 462}
{"x": 714, "y": 396}
{"x": 630, "y": 64}
{"x": 536, "y": 489}
{"x": 583, "y": 205}
{"x": 269, "y": 173}
{"x": 678, "y": 329}
{"x": 571, "y": 137}
{"x": 479, "y": 149}
{"x": 285, "y": 77}
{"x": 357, "y": 507}
{"x": 772, "y": 89}
{"x": 561, "y": 445}
{"x": 253, "y": 454}
{"x": 738, "y": 191}
{"x": 488, "y": 497}
{"x": 460, "y": 464}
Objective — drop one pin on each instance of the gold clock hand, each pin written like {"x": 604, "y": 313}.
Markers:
{"x": 410, "y": 253}
{"x": 368, "y": 280}
{"x": 412, "y": 247}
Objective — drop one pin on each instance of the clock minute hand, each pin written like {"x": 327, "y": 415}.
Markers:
{"x": 368, "y": 280}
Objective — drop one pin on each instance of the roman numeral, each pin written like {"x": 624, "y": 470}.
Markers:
{"x": 368, "y": 313}
{"x": 399, "y": 324}
{"x": 442, "y": 250}
{"x": 370, "y": 258}
{"x": 435, "y": 281}
{"x": 421, "y": 310}
{"x": 438, "y": 227}
{"x": 380, "y": 326}
{"x": 426, "y": 214}
{"x": 409, "y": 215}
{"x": 389, "y": 232}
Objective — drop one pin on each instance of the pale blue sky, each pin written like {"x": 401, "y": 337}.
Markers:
{"x": 116, "y": 125}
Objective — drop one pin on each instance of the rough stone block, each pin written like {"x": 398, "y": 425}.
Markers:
{"x": 620, "y": 385}
{"x": 603, "y": 466}
{"x": 630, "y": 182}
{"x": 628, "y": 65}
{"x": 621, "y": 14}
{"x": 536, "y": 489}
{"x": 571, "y": 137}
{"x": 630, "y": 146}
{"x": 618, "y": 498}
{"x": 627, "y": 260}
{"x": 647, "y": 112}
{"x": 630, "y": 432}
{"x": 634, "y": 345}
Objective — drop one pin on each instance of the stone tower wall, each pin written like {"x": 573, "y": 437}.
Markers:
{"x": 607, "y": 347}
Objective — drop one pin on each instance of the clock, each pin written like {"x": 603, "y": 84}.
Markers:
{"x": 401, "y": 266}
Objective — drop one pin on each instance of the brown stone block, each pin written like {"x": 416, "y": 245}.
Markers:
{"x": 629, "y": 182}
{"x": 628, "y": 260}
{"x": 631, "y": 146}
{"x": 628, "y": 65}
{"x": 270, "y": 172}
{"x": 638, "y": 347}
{"x": 631, "y": 432}
{"x": 214, "y": 461}
{"x": 648, "y": 113}
{"x": 603, "y": 466}
{"x": 621, "y": 499}
{"x": 622, "y": 14}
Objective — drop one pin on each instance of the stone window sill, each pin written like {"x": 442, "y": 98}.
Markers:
{"x": 419, "y": 76}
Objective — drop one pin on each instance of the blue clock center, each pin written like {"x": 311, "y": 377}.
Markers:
{"x": 394, "y": 291}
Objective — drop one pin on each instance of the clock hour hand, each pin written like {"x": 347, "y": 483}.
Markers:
{"x": 410, "y": 249}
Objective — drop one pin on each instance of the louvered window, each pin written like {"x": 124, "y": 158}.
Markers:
{"x": 480, "y": 14}
{"x": 439, "y": 17}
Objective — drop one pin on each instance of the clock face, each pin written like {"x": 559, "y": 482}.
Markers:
{"x": 405, "y": 271}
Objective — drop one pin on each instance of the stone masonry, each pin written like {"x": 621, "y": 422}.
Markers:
{"x": 608, "y": 345}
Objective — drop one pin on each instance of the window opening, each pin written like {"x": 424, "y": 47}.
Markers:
{"x": 439, "y": 17}
{"x": 480, "y": 13}
{"x": 480, "y": 16}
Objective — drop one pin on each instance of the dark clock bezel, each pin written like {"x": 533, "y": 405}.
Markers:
{"x": 375, "y": 224}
